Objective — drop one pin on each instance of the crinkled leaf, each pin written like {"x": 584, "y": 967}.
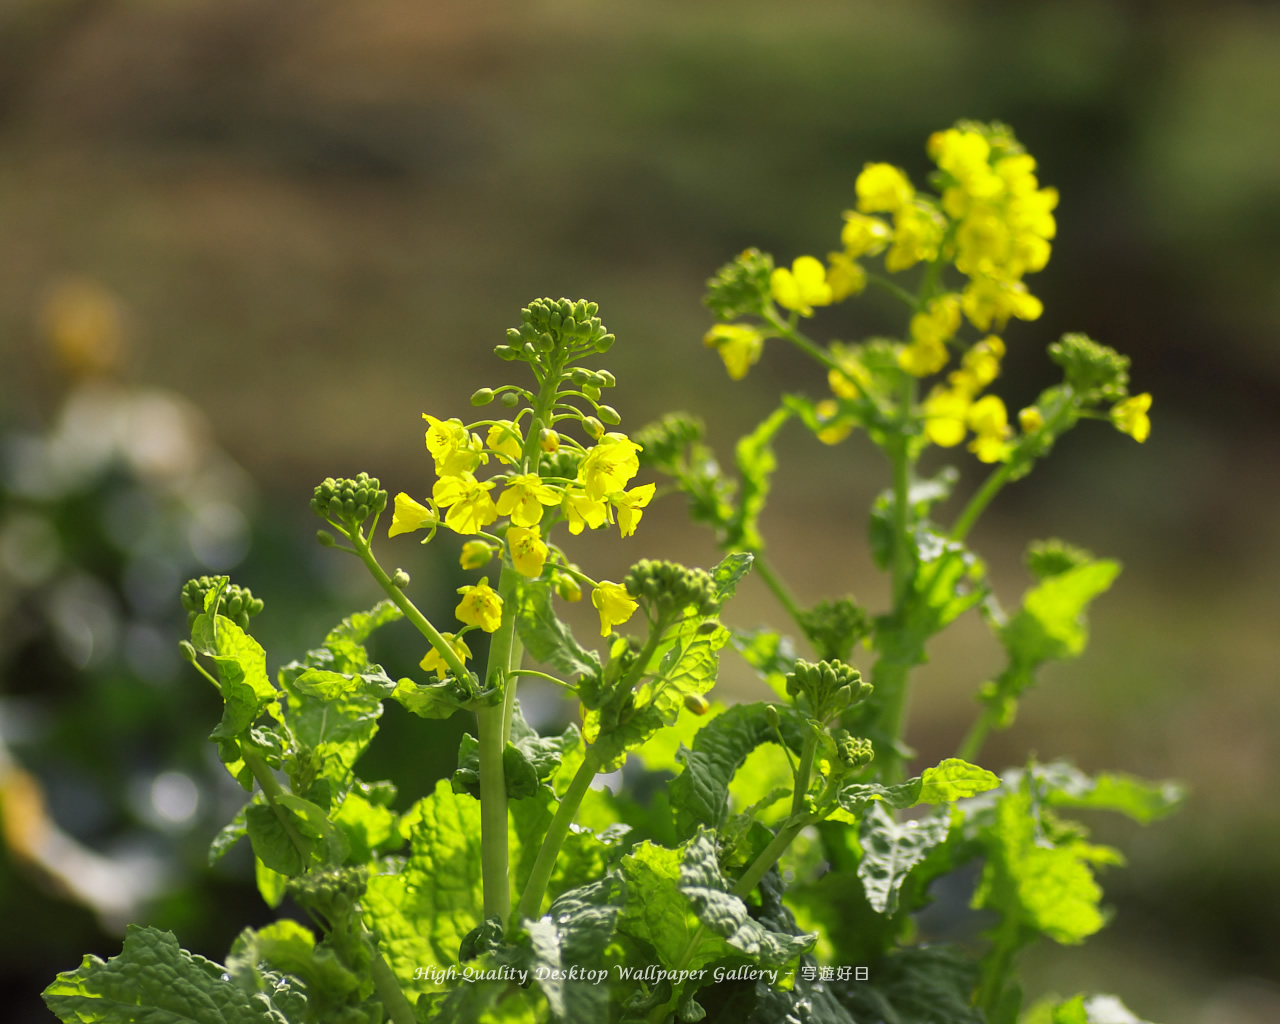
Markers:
{"x": 1064, "y": 785}
{"x": 891, "y": 850}
{"x": 227, "y": 837}
{"x": 700, "y": 793}
{"x": 241, "y": 667}
{"x": 272, "y": 844}
{"x": 919, "y": 985}
{"x": 155, "y": 981}
{"x": 332, "y": 733}
{"x": 545, "y": 637}
{"x": 574, "y": 933}
{"x": 328, "y": 685}
{"x": 1051, "y": 623}
{"x": 331, "y": 988}
{"x": 368, "y": 827}
{"x": 954, "y": 779}
{"x": 728, "y": 573}
{"x": 314, "y": 824}
{"x": 427, "y": 700}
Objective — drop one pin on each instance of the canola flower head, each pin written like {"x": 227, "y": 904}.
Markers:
{"x": 852, "y": 378}
{"x": 1130, "y": 417}
{"x": 741, "y": 287}
{"x": 988, "y": 300}
{"x": 528, "y": 550}
{"x": 614, "y": 605}
{"x": 480, "y": 606}
{"x": 739, "y": 345}
{"x": 918, "y": 230}
{"x": 882, "y": 188}
{"x": 946, "y": 413}
{"x": 349, "y": 500}
{"x": 523, "y": 498}
{"x": 923, "y": 358}
{"x": 410, "y": 515}
{"x": 467, "y": 499}
{"x": 433, "y": 661}
{"x": 989, "y": 421}
{"x": 1092, "y": 370}
{"x": 802, "y": 287}
{"x": 584, "y": 512}
{"x": 453, "y": 449}
{"x": 832, "y": 427}
{"x": 863, "y": 235}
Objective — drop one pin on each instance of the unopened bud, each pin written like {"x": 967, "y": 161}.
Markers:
{"x": 772, "y": 717}
{"x": 593, "y": 427}
{"x": 400, "y": 579}
{"x": 591, "y": 391}
{"x": 548, "y": 441}
{"x": 609, "y": 415}
{"x": 510, "y": 399}
{"x": 1030, "y": 420}
{"x": 697, "y": 703}
{"x": 482, "y": 397}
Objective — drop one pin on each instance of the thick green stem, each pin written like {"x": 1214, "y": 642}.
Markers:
{"x": 780, "y": 590}
{"x": 971, "y": 745}
{"x": 902, "y": 466}
{"x": 389, "y": 991}
{"x": 535, "y": 889}
{"x": 804, "y": 772}
{"x": 768, "y": 858}
{"x": 997, "y": 963}
{"x": 980, "y": 500}
{"x": 890, "y": 677}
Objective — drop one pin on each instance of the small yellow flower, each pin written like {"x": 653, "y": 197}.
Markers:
{"x": 480, "y": 606}
{"x": 864, "y": 236}
{"x": 802, "y": 287}
{"x": 1130, "y": 417}
{"x": 845, "y": 276}
{"x": 833, "y": 429}
{"x": 609, "y": 466}
{"x": 917, "y": 233}
{"x": 453, "y": 449}
{"x": 504, "y": 438}
{"x": 470, "y": 507}
{"x": 583, "y": 511}
{"x": 939, "y": 321}
{"x": 882, "y": 188}
{"x": 1030, "y": 419}
{"x": 528, "y": 551}
{"x": 629, "y": 505}
{"x": 409, "y": 516}
{"x": 989, "y": 421}
{"x": 739, "y": 346}
{"x": 945, "y": 412}
{"x": 922, "y": 358}
{"x": 981, "y": 364}
{"x": 614, "y": 604}
{"x": 523, "y": 498}
{"x": 852, "y": 378}
{"x": 987, "y": 300}
{"x": 475, "y": 553}
{"x": 433, "y": 659}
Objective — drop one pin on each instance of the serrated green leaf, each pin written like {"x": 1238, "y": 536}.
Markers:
{"x": 155, "y": 981}
{"x": 227, "y": 837}
{"x": 700, "y": 793}
{"x": 329, "y": 685}
{"x": 427, "y": 700}
{"x": 240, "y": 664}
{"x": 575, "y": 932}
{"x": 919, "y": 985}
{"x": 545, "y": 637}
{"x": 891, "y": 850}
{"x": 333, "y": 733}
{"x": 1050, "y": 623}
{"x": 728, "y": 573}
{"x": 331, "y": 988}
{"x": 1064, "y": 785}
{"x": 272, "y": 844}
{"x": 756, "y": 463}
{"x": 954, "y": 779}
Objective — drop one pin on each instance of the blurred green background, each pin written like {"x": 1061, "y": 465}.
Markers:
{"x": 312, "y": 221}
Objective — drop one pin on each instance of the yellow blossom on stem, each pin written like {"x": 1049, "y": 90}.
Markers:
{"x": 409, "y": 515}
{"x": 945, "y": 412}
{"x": 614, "y": 604}
{"x": 922, "y": 358}
{"x": 802, "y": 287}
{"x": 917, "y": 233}
{"x": 987, "y": 300}
{"x": 1130, "y": 417}
{"x": 629, "y": 505}
{"x": 504, "y": 438}
{"x": 852, "y": 378}
{"x": 882, "y": 188}
{"x": 528, "y": 551}
{"x": 845, "y": 276}
{"x": 470, "y": 507}
{"x": 523, "y": 498}
{"x": 1030, "y": 419}
{"x": 609, "y": 466}
{"x": 834, "y": 428}
{"x": 583, "y": 511}
{"x": 475, "y": 553}
{"x": 480, "y": 606}
{"x": 453, "y": 449}
{"x": 433, "y": 660}
{"x": 863, "y": 235}
{"x": 739, "y": 346}
{"x": 989, "y": 421}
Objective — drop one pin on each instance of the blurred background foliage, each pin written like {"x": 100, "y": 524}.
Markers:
{"x": 245, "y": 244}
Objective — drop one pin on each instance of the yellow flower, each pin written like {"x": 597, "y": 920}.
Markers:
{"x": 987, "y": 300}
{"x": 470, "y": 507}
{"x": 1030, "y": 419}
{"x": 989, "y": 420}
{"x": 453, "y": 449}
{"x": 433, "y": 659}
{"x": 833, "y": 429}
{"x": 864, "y": 236}
{"x": 504, "y": 438}
{"x": 964, "y": 155}
{"x": 945, "y": 411}
{"x": 629, "y": 505}
{"x": 583, "y": 511}
{"x": 410, "y": 516}
{"x": 480, "y": 606}
{"x": 852, "y": 378}
{"x": 882, "y": 188}
{"x": 609, "y": 466}
{"x": 475, "y": 553}
{"x": 845, "y": 276}
{"x": 979, "y": 367}
{"x": 523, "y": 497}
{"x": 739, "y": 346}
{"x": 921, "y": 358}
{"x": 939, "y": 321}
{"x": 528, "y": 552}
{"x": 614, "y": 604}
{"x": 918, "y": 231}
{"x": 1130, "y": 417}
{"x": 549, "y": 441}
{"x": 802, "y": 287}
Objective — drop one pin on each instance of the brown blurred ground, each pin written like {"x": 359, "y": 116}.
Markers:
{"x": 312, "y": 206}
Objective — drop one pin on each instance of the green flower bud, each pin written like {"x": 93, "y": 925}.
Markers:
{"x": 1095, "y": 372}
{"x": 604, "y": 344}
{"x": 593, "y": 427}
{"x": 325, "y": 538}
{"x": 510, "y": 399}
{"x": 672, "y": 587}
{"x": 559, "y": 325}
{"x": 238, "y": 604}
{"x": 853, "y": 753}
{"x": 697, "y": 703}
{"x": 833, "y": 627}
{"x": 482, "y": 397}
{"x": 828, "y": 686}
{"x": 400, "y": 579}
{"x": 591, "y": 391}
{"x": 609, "y": 415}
{"x": 666, "y": 440}
{"x": 351, "y": 501}
{"x": 607, "y": 380}
{"x": 772, "y": 717}
{"x": 507, "y": 352}
{"x": 740, "y": 288}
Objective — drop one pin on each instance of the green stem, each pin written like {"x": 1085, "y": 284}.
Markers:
{"x": 895, "y": 290}
{"x": 971, "y": 745}
{"x": 780, "y": 589}
{"x": 389, "y": 991}
{"x": 535, "y": 889}
{"x": 804, "y": 771}
{"x": 981, "y": 499}
{"x": 768, "y": 858}
{"x": 902, "y": 465}
{"x": 997, "y": 963}
{"x": 891, "y": 677}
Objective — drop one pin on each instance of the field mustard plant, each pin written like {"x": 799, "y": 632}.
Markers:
{"x": 762, "y": 862}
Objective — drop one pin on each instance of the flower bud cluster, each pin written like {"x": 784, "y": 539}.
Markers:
{"x": 833, "y": 627}
{"x": 333, "y": 892}
{"x": 556, "y": 328}
{"x": 666, "y": 440}
{"x": 852, "y": 753}
{"x": 349, "y": 501}
{"x": 237, "y": 604}
{"x": 670, "y": 587}
{"x": 1093, "y": 371}
{"x": 829, "y": 687}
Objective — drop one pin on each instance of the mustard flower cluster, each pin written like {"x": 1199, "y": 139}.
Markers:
{"x": 989, "y": 219}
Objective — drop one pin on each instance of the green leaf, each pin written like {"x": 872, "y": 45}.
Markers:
{"x": 1064, "y": 785}
{"x": 366, "y": 826}
{"x": 771, "y": 655}
{"x": 1051, "y": 623}
{"x": 272, "y": 844}
{"x": 919, "y": 985}
{"x": 708, "y": 892}
{"x": 700, "y": 793}
{"x": 545, "y": 637}
{"x": 427, "y": 700}
{"x": 331, "y": 734}
{"x": 954, "y": 779}
{"x": 728, "y": 573}
{"x": 529, "y": 759}
{"x": 227, "y": 837}
{"x": 331, "y": 988}
{"x": 328, "y": 685}
{"x": 1099, "y": 1009}
{"x": 891, "y": 850}
{"x": 155, "y": 981}
{"x": 922, "y": 495}
{"x": 241, "y": 667}
{"x": 314, "y": 824}
{"x": 756, "y": 463}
